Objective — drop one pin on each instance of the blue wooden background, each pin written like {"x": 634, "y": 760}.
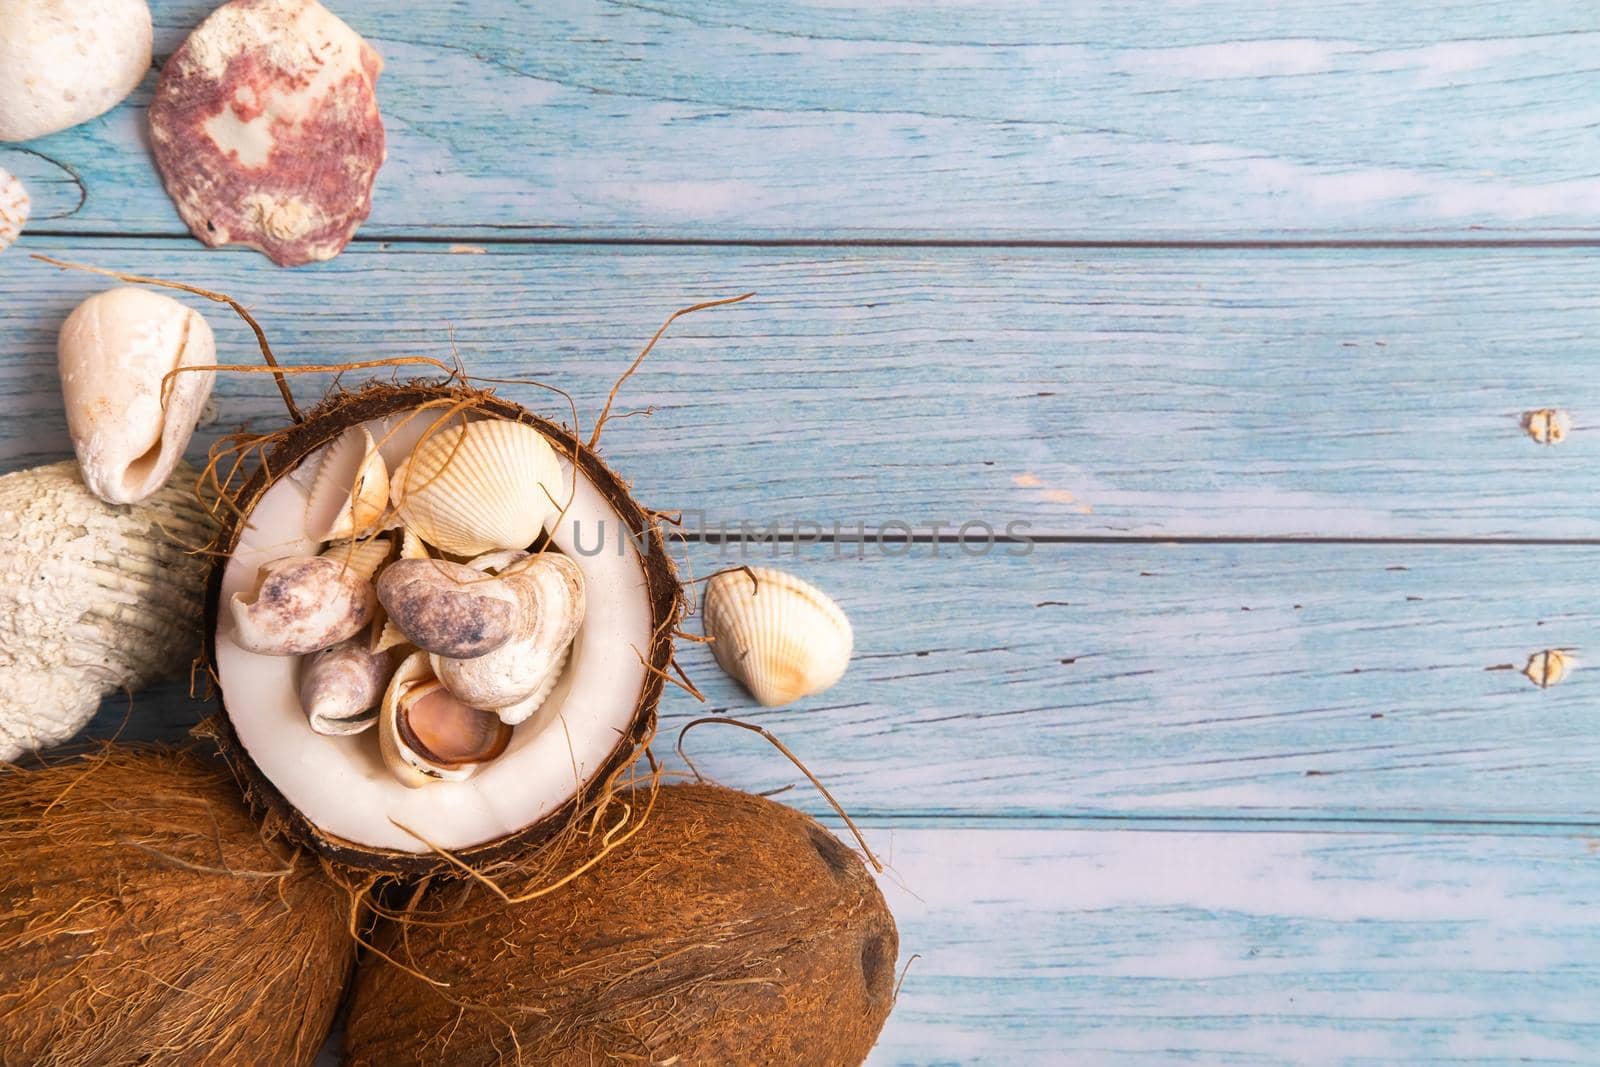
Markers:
{"x": 1238, "y": 305}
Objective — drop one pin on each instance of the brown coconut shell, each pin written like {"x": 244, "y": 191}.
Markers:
{"x": 326, "y": 422}
{"x": 730, "y": 929}
{"x": 143, "y": 919}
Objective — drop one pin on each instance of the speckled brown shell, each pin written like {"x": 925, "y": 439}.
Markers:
{"x": 729, "y": 930}
{"x": 266, "y": 129}
{"x": 326, "y": 422}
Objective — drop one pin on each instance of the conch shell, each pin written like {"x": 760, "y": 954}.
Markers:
{"x": 550, "y": 589}
{"x": 782, "y": 637}
{"x": 340, "y": 687}
{"x": 309, "y": 603}
{"x": 425, "y": 733}
{"x": 480, "y": 486}
{"x": 93, "y": 598}
{"x": 129, "y": 422}
{"x": 350, "y": 495}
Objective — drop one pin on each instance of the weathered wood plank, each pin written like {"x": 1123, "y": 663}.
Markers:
{"x": 1060, "y": 946}
{"x": 1160, "y": 681}
{"x": 970, "y": 120}
{"x": 1045, "y": 945}
{"x": 1320, "y": 393}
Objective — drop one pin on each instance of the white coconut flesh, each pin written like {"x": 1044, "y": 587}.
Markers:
{"x": 340, "y": 784}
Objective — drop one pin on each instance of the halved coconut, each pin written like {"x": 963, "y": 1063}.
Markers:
{"x": 334, "y": 792}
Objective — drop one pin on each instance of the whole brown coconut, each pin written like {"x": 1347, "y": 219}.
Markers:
{"x": 730, "y": 929}
{"x": 143, "y": 920}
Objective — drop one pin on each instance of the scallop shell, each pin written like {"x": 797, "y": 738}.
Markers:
{"x": 404, "y": 741}
{"x": 129, "y": 421}
{"x": 266, "y": 130}
{"x": 350, "y": 496}
{"x": 550, "y": 587}
{"x": 13, "y": 208}
{"x": 782, "y": 637}
{"x": 479, "y": 487}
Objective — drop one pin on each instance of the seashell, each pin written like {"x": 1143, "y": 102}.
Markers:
{"x": 93, "y": 598}
{"x": 425, "y": 733}
{"x": 13, "y": 208}
{"x": 362, "y": 558}
{"x": 412, "y": 546}
{"x": 478, "y": 487}
{"x": 550, "y": 588}
{"x": 62, "y": 62}
{"x": 448, "y": 608}
{"x": 303, "y": 604}
{"x": 782, "y": 637}
{"x": 350, "y": 496}
{"x": 266, "y": 129}
{"x": 341, "y": 687}
{"x": 524, "y": 709}
{"x": 129, "y": 423}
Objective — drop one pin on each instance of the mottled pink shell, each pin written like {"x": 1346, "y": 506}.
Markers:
{"x": 266, "y": 129}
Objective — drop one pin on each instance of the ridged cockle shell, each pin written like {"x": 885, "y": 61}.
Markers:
{"x": 350, "y": 494}
{"x": 550, "y": 589}
{"x": 425, "y": 733}
{"x": 308, "y": 603}
{"x": 782, "y": 637}
{"x": 129, "y": 420}
{"x": 265, "y": 127}
{"x": 480, "y": 487}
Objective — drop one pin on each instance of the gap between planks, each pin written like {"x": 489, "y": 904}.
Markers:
{"x": 518, "y": 237}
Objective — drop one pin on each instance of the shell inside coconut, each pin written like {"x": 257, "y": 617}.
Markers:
{"x": 336, "y": 791}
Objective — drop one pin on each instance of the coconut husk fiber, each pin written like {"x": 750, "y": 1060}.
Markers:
{"x": 144, "y": 920}
{"x": 729, "y": 929}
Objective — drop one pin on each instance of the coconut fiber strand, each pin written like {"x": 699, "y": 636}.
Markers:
{"x": 143, "y": 920}
{"x": 730, "y": 929}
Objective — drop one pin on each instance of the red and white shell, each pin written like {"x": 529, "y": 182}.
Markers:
{"x": 266, "y": 129}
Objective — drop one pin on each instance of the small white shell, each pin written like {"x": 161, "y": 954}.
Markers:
{"x": 550, "y": 588}
{"x": 404, "y": 740}
{"x": 350, "y": 495}
{"x": 13, "y": 209}
{"x": 340, "y": 687}
{"x": 479, "y": 487}
{"x": 302, "y": 605}
{"x": 782, "y": 637}
{"x": 63, "y": 62}
{"x": 129, "y": 423}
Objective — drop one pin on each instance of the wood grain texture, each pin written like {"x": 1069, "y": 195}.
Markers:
{"x": 968, "y": 119}
{"x": 1359, "y": 394}
{"x": 1112, "y": 682}
{"x": 1049, "y": 946}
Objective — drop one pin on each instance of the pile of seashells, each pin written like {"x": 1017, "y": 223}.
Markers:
{"x": 428, "y": 613}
